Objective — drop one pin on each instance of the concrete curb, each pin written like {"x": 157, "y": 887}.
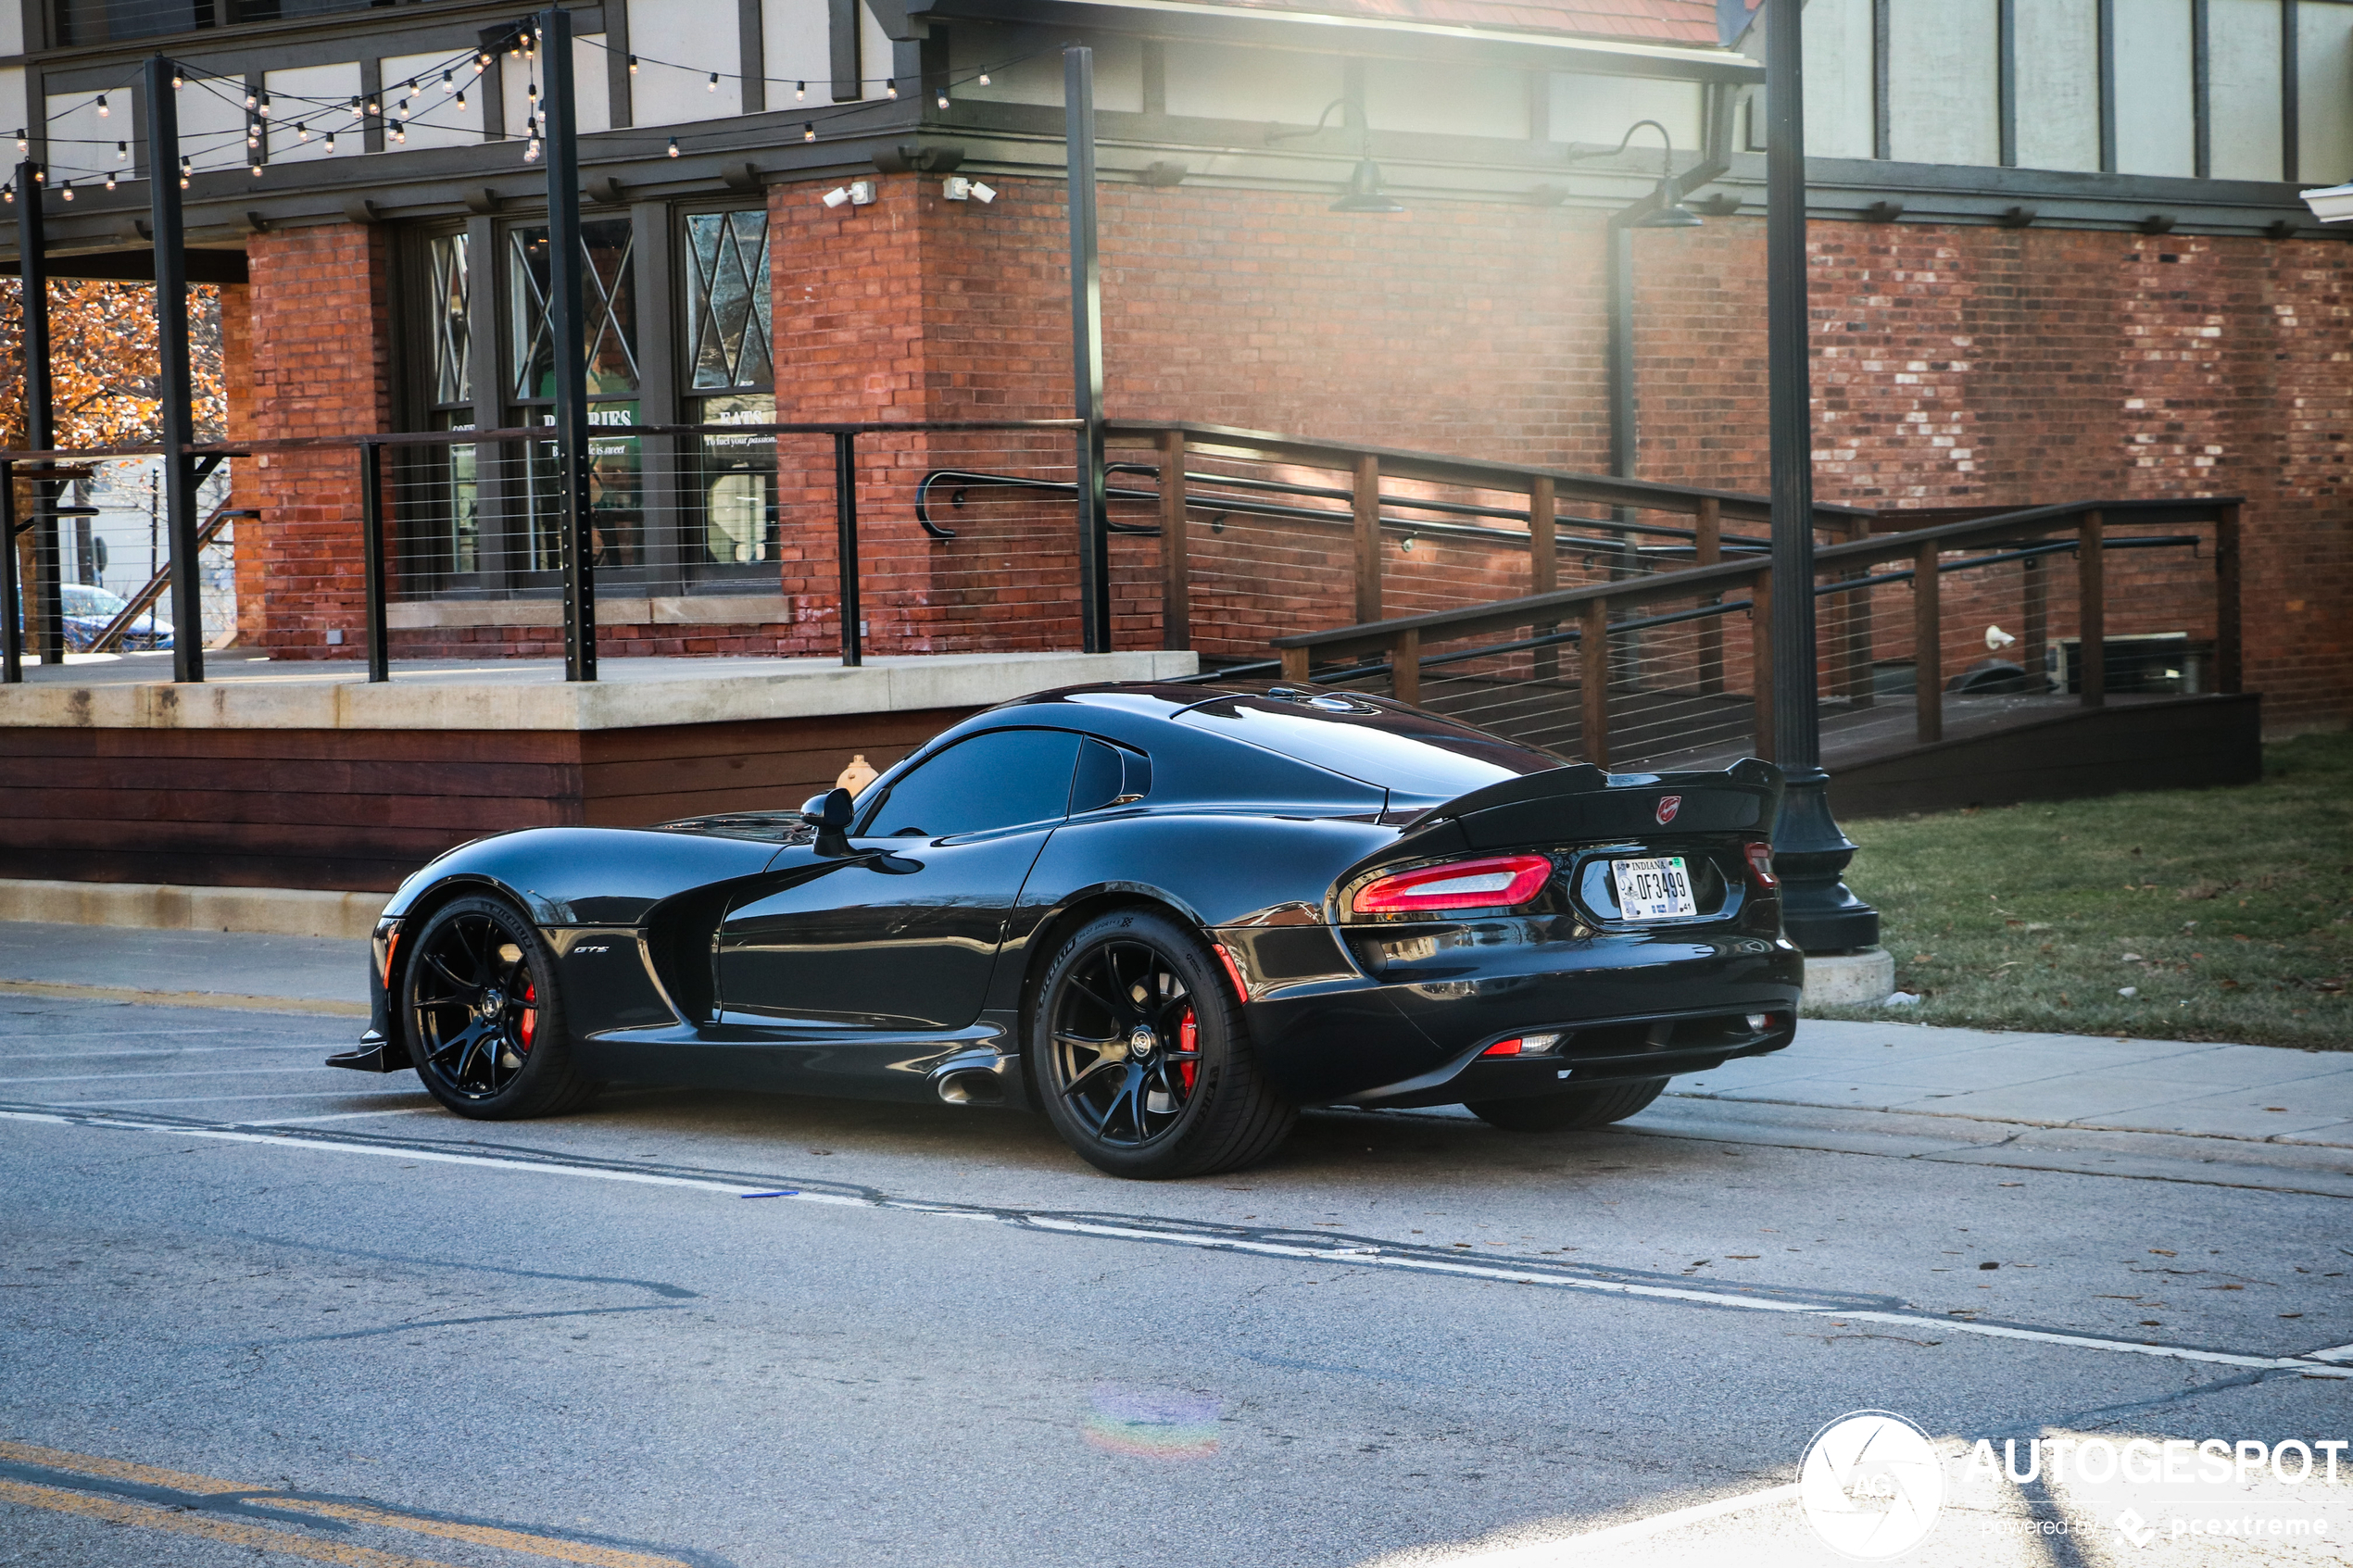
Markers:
{"x": 275, "y": 911}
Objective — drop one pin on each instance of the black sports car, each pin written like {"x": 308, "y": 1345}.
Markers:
{"x": 1166, "y": 915}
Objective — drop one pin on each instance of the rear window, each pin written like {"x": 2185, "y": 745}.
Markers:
{"x": 1409, "y": 754}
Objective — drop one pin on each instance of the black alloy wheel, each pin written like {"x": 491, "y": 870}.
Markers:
{"x": 1142, "y": 1057}
{"x": 1570, "y": 1108}
{"x": 485, "y": 1028}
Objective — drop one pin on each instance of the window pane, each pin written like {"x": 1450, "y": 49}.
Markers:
{"x": 739, "y": 523}
{"x": 728, "y": 307}
{"x": 461, "y": 498}
{"x": 998, "y": 780}
{"x": 452, "y": 331}
{"x": 608, "y": 308}
{"x": 616, "y": 490}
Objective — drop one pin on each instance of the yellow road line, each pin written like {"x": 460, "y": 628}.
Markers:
{"x": 235, "y": 1532}
{"x": 182, "y": 998}
{"x": 358, "y": 1513}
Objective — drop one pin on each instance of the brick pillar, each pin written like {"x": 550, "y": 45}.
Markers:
{"x": 318, "y": 351}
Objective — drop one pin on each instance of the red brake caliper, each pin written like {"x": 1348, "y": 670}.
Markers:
{"x": 530, "y": 1014}
{"x": 1188, "y": 1040}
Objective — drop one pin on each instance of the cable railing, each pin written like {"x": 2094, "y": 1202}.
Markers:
{"x": 1673, "y": 668}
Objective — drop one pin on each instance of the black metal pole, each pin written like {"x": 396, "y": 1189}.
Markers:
{"x": 11, "y": 587}
{"x": 371, "y": 545}
{"x": 48, "y": 610}
{"x": 853, "y": 644}
{"x": 1810, "y": 852}
{"x": 172, "y": 352}
{"x": 1087, "y": 351}
{"x": 565, "y": 316}
{"x": 1622, "y": 353}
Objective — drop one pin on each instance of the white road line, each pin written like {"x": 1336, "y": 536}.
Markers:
{"x": 345, "y": 1115}
{"x": 2322, "y": 1364}
{"x": 1564, "y": 1552}
{"x": 192, "y": 1073}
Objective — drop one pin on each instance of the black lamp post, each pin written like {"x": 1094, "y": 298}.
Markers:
{"x": 1810, "y": 852}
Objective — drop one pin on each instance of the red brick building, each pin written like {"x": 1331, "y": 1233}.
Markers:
{"x": 2024, "y": 290}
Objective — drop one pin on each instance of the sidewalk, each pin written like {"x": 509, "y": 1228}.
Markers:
{"x": 2257, "y": 1094}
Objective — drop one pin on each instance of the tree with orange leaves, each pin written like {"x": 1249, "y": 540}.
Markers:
{"x": 103, "y": 362}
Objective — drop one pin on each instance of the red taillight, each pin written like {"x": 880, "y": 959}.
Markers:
{"x": 1498, "y": 883}
{"x": 1760, "y": 865}
{"x": 1503, "y": 1048}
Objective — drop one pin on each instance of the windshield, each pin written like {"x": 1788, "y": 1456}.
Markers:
{"x": 82, "y": 600}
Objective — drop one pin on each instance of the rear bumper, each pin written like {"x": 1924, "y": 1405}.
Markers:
{"x": 1625, "y": 1008}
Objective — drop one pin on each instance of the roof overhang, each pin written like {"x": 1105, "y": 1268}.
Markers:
{"x": 1325, "y": 32}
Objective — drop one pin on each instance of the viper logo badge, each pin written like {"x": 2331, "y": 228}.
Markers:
{"x": 1668, "y": 806}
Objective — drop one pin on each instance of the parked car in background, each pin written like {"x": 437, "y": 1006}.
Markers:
{"x": 90, "y": 609}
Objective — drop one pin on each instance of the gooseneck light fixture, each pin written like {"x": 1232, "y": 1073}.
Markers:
{"x": 1667, "y": 210}
{"x": 1364, "y": 193}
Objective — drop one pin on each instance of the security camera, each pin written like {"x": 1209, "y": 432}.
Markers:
{"x": 837, "y": 196}
{"x": 956, "y": 188}
{"x": 982, "y": 193}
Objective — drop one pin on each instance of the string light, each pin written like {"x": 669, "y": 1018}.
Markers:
{"x": 41, "y": 176}
{"x": 262, "y": 108}
{"x": 800, "y": 91}
{"x": 943, "y": 97}
{"x": 331, "y": 141}
{"x": 178, "y": 80}
{"x": 101, "y": 106}
{"x": 253, "y": 135}
{"x": 713, "y": 85}
{"x": 373, "y": 107}
{"x": 121, "y": 152}
{"x": 449, "y": 81}
{"x": 808, "y": 130}
{"x": 66, "y": 190}
{"x": 983, "y": 79}
{"x": 185, "y": 171}
{"x": 673, "y": 146}
{"x": 633, "y": 65}
{"x": 21, "y": 144}
{"x": 251, "y": 99}
{"x": 891, "y": 88}
{"x": 302, "y": 129}
{"x": 9, "y": 194}
{"x": 399, "y": 133}
{"x": 462, "y": 102}
{"x": 531, "y": 152}
{"x": 109, "y": 179}
{"x": 481, "y": 63}
{"x": 257, "y": 169}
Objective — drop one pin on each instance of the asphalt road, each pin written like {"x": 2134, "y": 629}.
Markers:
{"x": 253, "y": 1306}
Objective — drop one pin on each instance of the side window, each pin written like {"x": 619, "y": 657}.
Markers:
{"x": 1108, "y": 775}
{"x": 1002, "y": 779}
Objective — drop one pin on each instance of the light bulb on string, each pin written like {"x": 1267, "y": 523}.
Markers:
{"x": 23, "y": 145}
{"x": 462, "y": 102}
{"x": 41, "y": 176}
{"x": 800, "y": 91}
{"x": 983, "y": 79}
{"x": 103, "y": 111}
{"x": 109, "y": 179}
{"x": 178, "y": 79}
{"x": 331, "y": 140}
{"x": 449, "y": 81}
{"x": 531, "y": 152}
{"x": 257, "y": 169}
{"x": 9, "y": 194}
{"x": 302, "y": 129}
{"x": 121, "y": 152}
{"x": 66, "y": 190}
{"x": 713, "y": 85}
{"x": 251, "y": 98}
{"x": 253, "y": 137}
{"x": 400, "y": 133}
{"x": 808, "y": 130}
{"x": 943, "y": 97}
{"x": 673, "y": 146}
{"x": 891, "y": 88}
{"x": 185, "y": 171}
{"x": 481, "y": 63}
{"x": 633, "y": 65}
{"x": 262, "y": 108}
{"x": 373, "y": 108}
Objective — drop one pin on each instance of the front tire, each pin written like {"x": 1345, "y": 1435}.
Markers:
{"x": 483, "y": 1022}
{"x": 1143, "y": 1058}
{"x": 1571, "y": 1109}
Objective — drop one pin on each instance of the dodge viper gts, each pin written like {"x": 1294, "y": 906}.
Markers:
{"x": 1166, "y": 916}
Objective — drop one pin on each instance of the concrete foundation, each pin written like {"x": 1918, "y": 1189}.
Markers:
{"x": 1857, "y": 979}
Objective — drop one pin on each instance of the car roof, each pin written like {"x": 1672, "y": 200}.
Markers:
{"x": 1414, "y": 755}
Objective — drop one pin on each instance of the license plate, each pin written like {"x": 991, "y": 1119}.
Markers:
{"x": 1654, "y": 889}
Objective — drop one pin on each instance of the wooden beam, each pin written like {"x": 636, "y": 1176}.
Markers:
{"x": 2229, "y": 647}
{"x": 1928, "y": 646}
{"x": 1368, "y": 561}
{"x": 1176, "y": 580}
{"x": 2091, "y": 618}
{"x": 1405, "y": 667}
{"x": 1707, "y": 551}
{"x": 1295, "y": 664}
{"x": 1593, "y": 679}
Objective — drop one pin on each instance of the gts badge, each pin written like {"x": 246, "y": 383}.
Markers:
{"x": 592, "y": 948}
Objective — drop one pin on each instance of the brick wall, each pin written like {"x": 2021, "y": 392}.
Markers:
{"x": 320, "y": 365}
{"x": 1954, "y": 367}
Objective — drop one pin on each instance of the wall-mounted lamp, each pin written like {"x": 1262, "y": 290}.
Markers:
{"x": 1668, "y": 211}
{"x": 956, "y": 188}
{"x": 858, "y": 193}
{"x": 1364, "y": 193}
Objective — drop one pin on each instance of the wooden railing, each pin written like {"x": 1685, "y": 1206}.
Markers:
{"x": 1587, "y": 617}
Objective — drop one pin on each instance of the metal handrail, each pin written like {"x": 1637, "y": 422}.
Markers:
{"x": 143, "y": 600}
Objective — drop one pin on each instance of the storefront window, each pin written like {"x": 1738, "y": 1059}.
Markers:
{"x": 609, "y": 310}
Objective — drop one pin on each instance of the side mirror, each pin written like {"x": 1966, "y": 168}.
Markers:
{"x": 829, "y": 813}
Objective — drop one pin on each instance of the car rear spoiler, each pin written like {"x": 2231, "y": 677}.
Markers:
{"x": 1581, "y": 803}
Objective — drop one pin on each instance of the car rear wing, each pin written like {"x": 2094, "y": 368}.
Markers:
{"x": 1580, "y": 803}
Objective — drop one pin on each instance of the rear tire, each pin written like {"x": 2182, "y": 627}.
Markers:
{"x": 1143, "y": 1058}
{"x": 483, "y": 1023}
{"x": 1570, "y": 1110}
